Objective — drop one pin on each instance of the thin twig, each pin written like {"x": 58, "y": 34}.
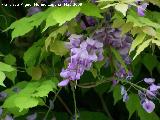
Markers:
{"x": 105, "y": 107}
{"x": 45, "y": 117}
{"x": 65, "y": 106}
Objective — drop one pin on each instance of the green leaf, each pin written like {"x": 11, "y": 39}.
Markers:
{"x": 11, "y": 75}
{"x": 139, "y": 39}
{"x": 142, "y": 47}
{"x": 24, "y": 102}
{"x": 54, "y": 34}
{"x": 26, "y": 24}
{"x": 2, "y": 78}
{"x": 126, "y": 27}
{"x": 36, "y": 73}
{"x": 50, "y": 21}
{"x": 117, "y": 23}
{"x": 147, "y": 116}
{"x": 31, "y": 55}
{"x": 10, "y": 59}
{"x": 87, "y": 115}
{"x": 157, "y": 42}
{"x": 88, "y": 8}
{"x": 141, "y": 21}
{"x": 109, "y": 5}
{"x": 18, "y": 31}
{"x": 58, "y": 47}
{"x": 45, "y": 88}
{"x": 29, "y": 94}
{"x": 63, "y": 14}
{"x": 150, "y": 61}
{"x": 132, "y": 104}
{"x": 16, "y": 113}
{"x": 117, "y": 94}
{"x": 149, "y": 30}
{"x": 5, "y": 67}
{"x": 122, "y": 8}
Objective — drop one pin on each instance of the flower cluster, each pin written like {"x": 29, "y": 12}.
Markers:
{"x": 122, "y": 43}
{"x": 83, "y": 54}
{"x": 148, "y": 95}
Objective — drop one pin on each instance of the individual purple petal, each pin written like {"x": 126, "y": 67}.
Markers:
{"x": 83, "y": 45}
{"x": 125, "y": 97}
{"x": 149, "y": 80}
{"x": 148, "y": 106}
{"x": 129, "y": 75}
{"x": 98, "y": 45}
{"x": 90, "y": 20}
{"x": 3, "y": 95}
{"x": 64, "y": 73}
{"x": 150, "y": 94}
{"x": 114, "y": 82}
{"x": 1, "y": 111}
{"x": 8, "y": 117}
{"x": 63, "y": 83}
{"x": 153, "y": 87}
{"x": 90, "y": 41}
{"x": 93, "y": 57}
{"x": 141, "y": 95}
{"x": 141, "y": 9}
{"x": 33, "y": 10}
{"x": 32, "y": 117}
{"x": 83, "y": 26}
{"x": 123, "y": 90}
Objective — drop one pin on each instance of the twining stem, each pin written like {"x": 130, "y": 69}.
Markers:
{"x": 89, "y": 85}
{"x": 64, "y": 104}
{"x": 74, "y": 100}
{"x": 54, "y": 99}
{"x": 132, "y": 84}
{"x": 105, "y": 106}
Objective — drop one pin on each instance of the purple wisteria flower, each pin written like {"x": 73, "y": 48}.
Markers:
{"x": 149, "y": 80}
{"x": 124, "y": 94}
{"x": 33, "y": 10}
{"x": 83, "y": 54}
{"x": 152, "y": 89}
{"x": 146, "y": 96}
{"x": 148, "y": 106}
{"x": 141, "y": 7}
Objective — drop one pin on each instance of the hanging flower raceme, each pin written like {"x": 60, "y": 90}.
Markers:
{"x": 83, "y": 54}
{"x": 148, "y": 95}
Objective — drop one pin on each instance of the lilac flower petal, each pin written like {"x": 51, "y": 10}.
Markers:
{"x": 154, "y": 87}
{"x": 63, "y": 83}
{"x": 64, "y": 73}
{"x": 150, "y": 94}
{"x": 148, "y": 106}
{"x": 149, "y": 80}
{"x": 8, "y": 117}
{"x": 141, "y": 9}
{"x": 1, "y": 111}
{"x": 93, "y": 57}
{"x": 123, "y": 90}
{"x": 125, "y": 97}
{"x": 32, "y": 116}
{"x": 90, "y": 41}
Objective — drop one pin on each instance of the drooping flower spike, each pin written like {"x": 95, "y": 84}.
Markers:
{"x": 83, "y": 54}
